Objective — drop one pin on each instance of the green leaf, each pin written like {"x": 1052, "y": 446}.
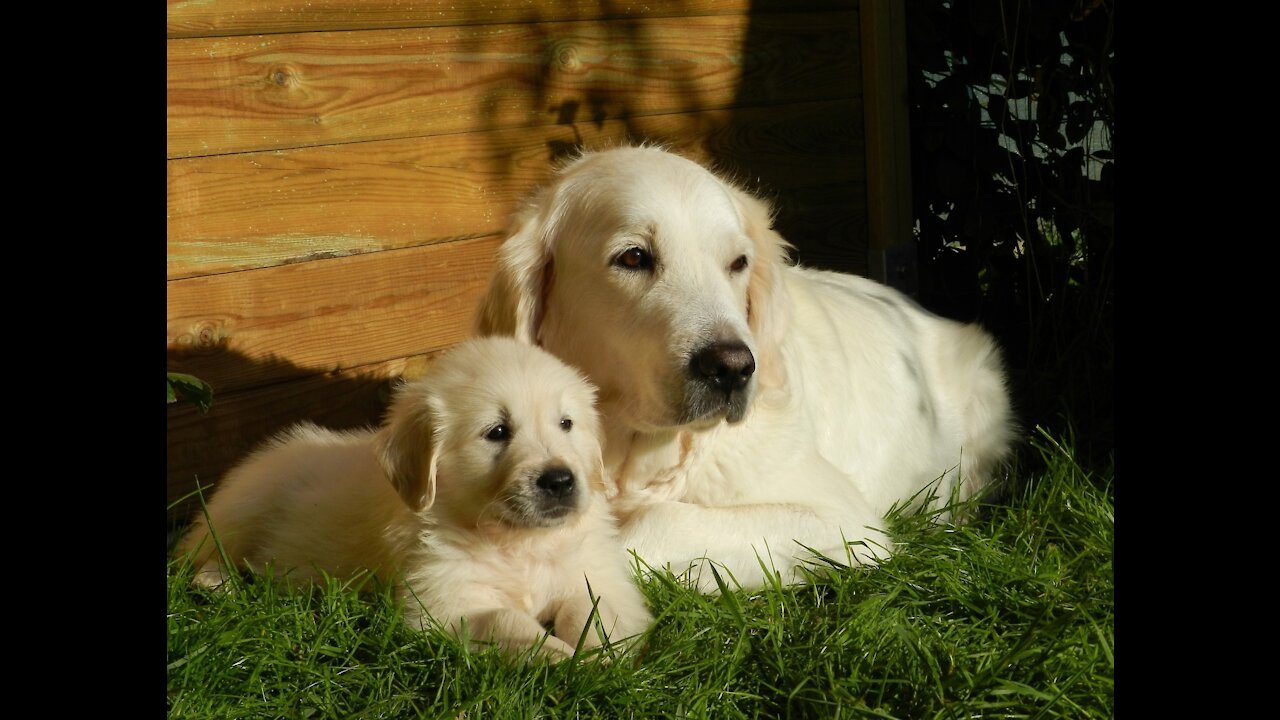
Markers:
{"x": 191, "y": 388}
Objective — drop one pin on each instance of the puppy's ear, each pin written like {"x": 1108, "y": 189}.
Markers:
{"x": 768, "y": 309}
{"x": 408, "y": 448}
{"x": 516, "y": 299}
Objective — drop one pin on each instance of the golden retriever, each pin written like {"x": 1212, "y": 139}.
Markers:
{"x": 752, "y": 408}
{"x": 480, "y": 496}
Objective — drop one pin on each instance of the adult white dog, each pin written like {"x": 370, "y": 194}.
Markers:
{"x": 480, "y": 498}
{"x": 752, "y": 408}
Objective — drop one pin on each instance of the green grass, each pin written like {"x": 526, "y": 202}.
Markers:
{"x": 1009, "y": 616}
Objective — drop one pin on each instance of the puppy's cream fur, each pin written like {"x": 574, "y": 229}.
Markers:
{"x": 653, "y": 275}
{"x": 461, "y": 498}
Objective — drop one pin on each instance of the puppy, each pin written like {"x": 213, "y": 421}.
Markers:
{"x": 481, "y": 497}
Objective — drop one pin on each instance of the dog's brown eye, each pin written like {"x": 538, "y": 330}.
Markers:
{"x": 634, "y": 259}
{"x": 498, "y": 433}
{"x": 739, "y": 265}
{"x": 566, "y": 424}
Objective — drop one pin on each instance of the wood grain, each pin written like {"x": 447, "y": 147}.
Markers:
{"x": 205, "y": 18}
{"x": 255, "y": 210}
{"x": 247, "y": 329}
{"x": 827, "y": 226}
{"x": 242, "y": 94}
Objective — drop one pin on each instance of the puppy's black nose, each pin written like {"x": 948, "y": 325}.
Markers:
{"x": 556, "y": 482}
{"x": 728, "y": 366}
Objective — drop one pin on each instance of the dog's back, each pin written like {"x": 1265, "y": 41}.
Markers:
{"x": 311, "y": 501}
{"x": 919, "y": 396}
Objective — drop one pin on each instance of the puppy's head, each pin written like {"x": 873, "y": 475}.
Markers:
{"x": 496, "y": 432}
{"x": 654, "y": 276}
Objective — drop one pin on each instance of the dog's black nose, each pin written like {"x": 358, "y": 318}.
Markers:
{"x": 726, "y": 365}
{"x": 556, "y": 482}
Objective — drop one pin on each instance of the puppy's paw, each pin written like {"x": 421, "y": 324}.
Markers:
{"x": 212, "y": 576}
{"x": 617, "y": 634}
{"x": 516, "y": 632}
{"x": 554, "y": 650}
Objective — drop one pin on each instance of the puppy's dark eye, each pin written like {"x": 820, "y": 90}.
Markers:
{"x": 634, "y": 259}
{"x": 738, "y": 265}
{"x": 566, "y": 424}
{"x": 498, "y": 433}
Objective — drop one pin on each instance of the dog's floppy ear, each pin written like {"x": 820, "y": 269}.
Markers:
{"x": 516, "y": 299}
{"x": 768, "y": 310}
{"x": 408, "y": 448}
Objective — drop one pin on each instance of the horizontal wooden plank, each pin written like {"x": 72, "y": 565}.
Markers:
{"x": 244, "y": 211}
{"x": 242, "y": 94}
{"x": 238, "y": 212}
{"x": 247, "y": 329}
{"x": 207, "y": 18}
{"x": 203, "y": 446}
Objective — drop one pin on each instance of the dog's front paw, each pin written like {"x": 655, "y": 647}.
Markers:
{"x": 632, "y": 498}
{"x": 627, "y": 506}
{"x": 631, "y": 508}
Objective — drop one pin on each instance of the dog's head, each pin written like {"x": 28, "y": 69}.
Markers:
{"x": 496, "y": 432}
{"x": 654, "y": 276}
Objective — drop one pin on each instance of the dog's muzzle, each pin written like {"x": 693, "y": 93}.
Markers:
{"x": 719, "y": 379}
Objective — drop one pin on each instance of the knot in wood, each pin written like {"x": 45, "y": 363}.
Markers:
{"x": 207, "y": 336}
{"x": 567, "y": 59}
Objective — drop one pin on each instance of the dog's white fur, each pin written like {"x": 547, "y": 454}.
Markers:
{"x": 432, "y": 502}
{"x": 860, "y": 398}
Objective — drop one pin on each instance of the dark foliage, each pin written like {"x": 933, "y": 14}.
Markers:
{"x": 1012, "y": 141}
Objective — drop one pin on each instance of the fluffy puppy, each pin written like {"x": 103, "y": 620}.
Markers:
{"x": 480, "y": 496}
